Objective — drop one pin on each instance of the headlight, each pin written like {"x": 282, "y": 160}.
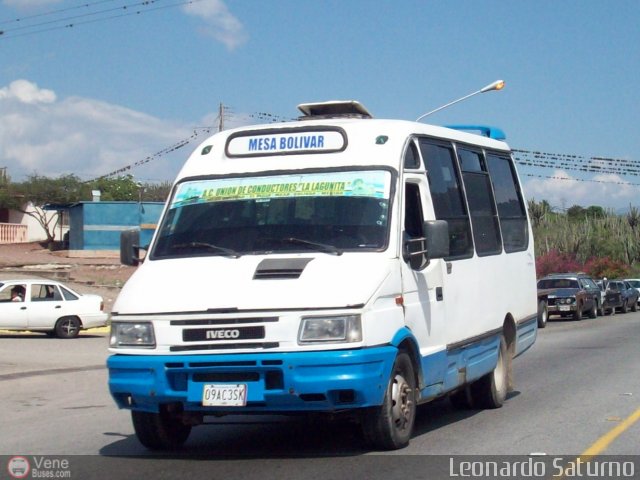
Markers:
{"x": 129, "y": 334}
{"x": 339, "y": 329}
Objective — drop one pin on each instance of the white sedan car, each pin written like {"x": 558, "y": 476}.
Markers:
{"x": 48, "y": 306}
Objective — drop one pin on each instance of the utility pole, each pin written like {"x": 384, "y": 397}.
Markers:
{"x": 221, "y": 117}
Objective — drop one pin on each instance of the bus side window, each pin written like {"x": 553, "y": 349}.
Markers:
{"x": 413, "y": 220}
{"x": 482, "y": 207}
{"x": 411, "y": 157}
{"x": 446, "y": 195}
{"x": 511, "y": 208}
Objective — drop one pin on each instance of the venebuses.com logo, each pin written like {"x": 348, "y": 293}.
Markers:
{"x": 18, "y": 467}
{"x": 38, "y": 467}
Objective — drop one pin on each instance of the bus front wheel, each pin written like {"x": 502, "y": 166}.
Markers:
{"x": 389, "y": 427}
{"x": 159, "y": 431}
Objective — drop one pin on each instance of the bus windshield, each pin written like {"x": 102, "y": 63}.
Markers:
{"x": 330, "y": 212}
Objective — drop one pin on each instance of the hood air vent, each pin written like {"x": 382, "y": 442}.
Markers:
{"x": 280, "y": 268}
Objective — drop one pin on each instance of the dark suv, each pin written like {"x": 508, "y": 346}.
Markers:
{"x": 571, "y": 294}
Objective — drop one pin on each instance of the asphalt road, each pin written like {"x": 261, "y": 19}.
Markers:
{"x": 580, "y": 381}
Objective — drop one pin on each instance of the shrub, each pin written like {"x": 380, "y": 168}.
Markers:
{"x": 556, "y": 262}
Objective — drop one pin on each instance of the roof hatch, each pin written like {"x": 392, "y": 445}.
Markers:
{"x": 333, "y": 109}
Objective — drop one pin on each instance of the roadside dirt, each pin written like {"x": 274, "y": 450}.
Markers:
{"x": 100, "y": 275}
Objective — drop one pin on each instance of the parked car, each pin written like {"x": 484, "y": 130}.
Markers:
{"x": 571, "y": 294}
{"x": 628, "y": 293}
{"x": 612, "y": 299}
{"x": 48, "y": 306}
{"x": 635, "y": 283}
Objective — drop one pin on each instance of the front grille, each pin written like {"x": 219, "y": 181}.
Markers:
{"x": 223, "y": 321}
{"x": 220, "y": 346}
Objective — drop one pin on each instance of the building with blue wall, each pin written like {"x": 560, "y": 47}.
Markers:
{"x": 97, "y": 225}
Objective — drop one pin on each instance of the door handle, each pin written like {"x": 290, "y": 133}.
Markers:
{"x": 58, "y": 306}
{"x": 23, "y": 308}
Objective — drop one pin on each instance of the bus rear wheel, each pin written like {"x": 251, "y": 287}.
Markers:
{"x": 491, "y": 390}
{"x": 389, "y": 427}
{"x": 159, "y": 431}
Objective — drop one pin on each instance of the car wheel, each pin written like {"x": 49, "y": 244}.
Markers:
{"x": 624, "y": 308}
{"x": 593, "y": 312}
{"x": 601, "y": 310}
{"x": 390, "y": 426}
{"x": 543, "y": 314}
{"x": 159, "y": 431}
{"x": 67, "y": 327}
{"x": 491, "y": 390}
{"x": 634, "y": 307}
{"x": 577, "y": 315}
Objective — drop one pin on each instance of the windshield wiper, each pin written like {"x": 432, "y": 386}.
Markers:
{"x": 323, "y": 247}
{"x": 216, "y": 248}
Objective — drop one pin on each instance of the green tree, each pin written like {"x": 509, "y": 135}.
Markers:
{"x": 122, "y": 189}
{"x": 40, "y": 191}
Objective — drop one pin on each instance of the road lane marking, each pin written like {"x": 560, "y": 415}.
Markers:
{"x": 604, "y": 441}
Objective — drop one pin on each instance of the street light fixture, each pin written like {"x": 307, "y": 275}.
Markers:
{"x": 497, "y": 85}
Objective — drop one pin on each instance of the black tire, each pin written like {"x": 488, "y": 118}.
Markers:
{"x": 159, "y": 431}
{"x": 461, "y": 399}
{"x": 624, "y": 308}
{"x": 593, "y": 312}
{"x": 577, "y": 315}
{"x": 601, "y": 310}
{"x": 543, "y": 313}
{"x": 634, "y": 307}
{"x": 389, "y": 427}
{"x": 491, "y": 390}
{"x": 67, "y": 327}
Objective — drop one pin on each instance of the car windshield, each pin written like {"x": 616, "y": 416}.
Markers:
{"x": 558, "y": 283}
{"x": 329, "y": 212}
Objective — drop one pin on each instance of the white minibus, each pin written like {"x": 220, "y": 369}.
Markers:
{"x": 337, "y": 264}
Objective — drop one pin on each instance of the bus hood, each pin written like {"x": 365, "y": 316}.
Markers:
{"x": 253, "y": 283}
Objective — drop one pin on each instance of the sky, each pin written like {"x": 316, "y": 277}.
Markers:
{"x": 93, "y": 87}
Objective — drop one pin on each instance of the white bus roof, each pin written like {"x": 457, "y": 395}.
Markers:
{"x": 345, "y": 142}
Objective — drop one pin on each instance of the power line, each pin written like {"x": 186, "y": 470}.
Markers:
{"x": 144, "y": 4}
{"x": 53, "y": 12}
{"x": 553, "y": 177}
{"x": 176, "y": 146}
{"x": 83, "y": 15}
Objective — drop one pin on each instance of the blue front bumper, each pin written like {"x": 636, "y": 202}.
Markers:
{"x": 276, "y": 382}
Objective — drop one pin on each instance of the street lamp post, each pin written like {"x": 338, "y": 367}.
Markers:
{"x": 497, "y": 85}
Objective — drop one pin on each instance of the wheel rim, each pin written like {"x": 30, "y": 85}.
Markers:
{"x": 69, "y": 327}
{"x": 403, "y": 405}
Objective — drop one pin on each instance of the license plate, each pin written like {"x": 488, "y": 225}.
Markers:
{"x": 224, "y": 395}
{"x": 565, "y": 308}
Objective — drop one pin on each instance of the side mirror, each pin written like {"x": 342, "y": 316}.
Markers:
{"x": 433, "y": 244}
{"x": 436, "y": 233}
{"x": 130, "y": 247}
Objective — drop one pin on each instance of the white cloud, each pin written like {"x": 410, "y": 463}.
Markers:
{"x": 27, "y": 92}
{"x": 42, "y": 134}
{"x": 564, "y": 190}
{"x": 220, "y": 23}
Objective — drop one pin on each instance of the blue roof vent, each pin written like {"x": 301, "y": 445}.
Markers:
{"x": 491, "y": 132}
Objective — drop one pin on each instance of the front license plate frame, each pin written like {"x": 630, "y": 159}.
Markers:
{"x": 224, "y": 395}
